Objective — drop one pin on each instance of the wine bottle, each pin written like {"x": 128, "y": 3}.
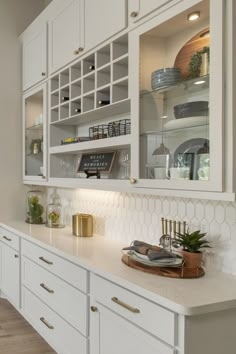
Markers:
{"x": 91, "y": 67}
{"x": 65, "y": 98}
{"x": 103, "y": 102}
{"x": 78, "y": 110}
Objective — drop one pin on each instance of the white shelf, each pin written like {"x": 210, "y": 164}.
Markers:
{"x": 109, "y": 143}
{"x": 93, "y": 115}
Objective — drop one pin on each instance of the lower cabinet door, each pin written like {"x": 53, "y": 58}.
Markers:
{"x": 10, "y": 274}
{"x": 110, "y": 333}
{"x": 57, "y": 332}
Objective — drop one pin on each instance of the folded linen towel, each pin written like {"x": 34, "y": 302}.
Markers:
{"x": 151, "y": 251}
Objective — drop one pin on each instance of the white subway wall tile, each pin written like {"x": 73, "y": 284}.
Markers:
{"x": 127, "y": 217}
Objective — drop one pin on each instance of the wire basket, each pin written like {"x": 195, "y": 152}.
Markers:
{"x": 98, "y": 132}
{"x": 119, "y": 127}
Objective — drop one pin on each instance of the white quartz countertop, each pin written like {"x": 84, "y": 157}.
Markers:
{"x": 213, "y": 292}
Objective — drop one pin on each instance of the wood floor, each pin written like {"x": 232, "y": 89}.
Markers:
{"x": 16, "y": 334}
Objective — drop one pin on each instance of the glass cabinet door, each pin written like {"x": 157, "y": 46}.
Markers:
{"x": 34, "y": 116}
{"x": 179, "y": 98}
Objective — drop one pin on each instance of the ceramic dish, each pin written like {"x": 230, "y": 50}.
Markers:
{"x": 182, "y": 123}
{"x": 191, "y": 109}
{"x": 190, "y": 148}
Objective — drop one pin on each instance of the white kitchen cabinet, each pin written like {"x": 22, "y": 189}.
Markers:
{"x": 34, "y": 55}
{"x": 140, "y": 8}
{"x": 177, "y": 152}
{"x": 35, "y": 134}
{"x": 97, "y": 30}
{"x": 66, "y": 33}
{"x": 10, "y": 274}
{"x": 125, "y": 322}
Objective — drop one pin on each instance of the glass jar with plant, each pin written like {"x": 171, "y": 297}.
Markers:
{"x": 192, "y": 243}
{"x": 35, "y": 207}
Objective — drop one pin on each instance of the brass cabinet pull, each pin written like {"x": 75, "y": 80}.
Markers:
{"x": 46, "y": 288}
{"x": 93, "y": 308}
{"x": 7, "y": 238}
{"x": 45, "y": 260}
{"x": 42, "y": 319}
{"x": 126, "y": 306}
{"x": 132, "y": 180}
{"x": 134, "y": 14}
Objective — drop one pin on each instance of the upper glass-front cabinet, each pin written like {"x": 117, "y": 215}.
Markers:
{"x": 179, "y": 98}
{"x": 34, "y": 113}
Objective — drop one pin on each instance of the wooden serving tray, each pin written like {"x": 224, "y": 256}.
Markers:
{"x": 171, "y": 272}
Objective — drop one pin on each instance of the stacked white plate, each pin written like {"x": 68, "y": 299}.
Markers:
{"x": 165, "y": 262}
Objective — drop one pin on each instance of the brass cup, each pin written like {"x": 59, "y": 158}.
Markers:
{"x": 82, "y": 225}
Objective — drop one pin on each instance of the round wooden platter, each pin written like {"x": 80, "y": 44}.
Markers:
{"x": 171, "y": 272}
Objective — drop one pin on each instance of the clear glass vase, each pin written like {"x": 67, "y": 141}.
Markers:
{"x": 55, "y": 213}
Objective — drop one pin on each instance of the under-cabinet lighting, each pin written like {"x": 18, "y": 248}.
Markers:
{"x": 199, "y": 82}
{"x": 164, "y": 117}
{"x": 193, "y": 16}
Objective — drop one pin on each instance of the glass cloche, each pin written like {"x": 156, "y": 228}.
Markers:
{"x": 55, "y": 213}
{"x": 35, "y": 207}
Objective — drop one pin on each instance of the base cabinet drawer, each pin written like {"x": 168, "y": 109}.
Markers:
{"x": 70, "y": 303}
{"x": 10, "y": 239}
{"x": 57, "y": 332}
{"x": 136, "y": 309}
{"x": 62, "y": 268}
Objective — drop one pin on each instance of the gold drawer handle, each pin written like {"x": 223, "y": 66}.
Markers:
{"x": 42, "y": 319}
{"x": 123, "y": 304}
{"x": 46, "y": 288}
{"x": 7, "y": 238}
{"x": 45, "y": 260}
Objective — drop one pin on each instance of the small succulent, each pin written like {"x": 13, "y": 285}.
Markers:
{"x": 195, "y": 62}
{"x": 191, "y": 241}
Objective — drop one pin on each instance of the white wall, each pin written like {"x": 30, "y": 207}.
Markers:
{"x": 15, "y": 16}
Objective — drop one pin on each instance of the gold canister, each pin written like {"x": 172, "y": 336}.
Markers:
{"x": 82, "y": 225}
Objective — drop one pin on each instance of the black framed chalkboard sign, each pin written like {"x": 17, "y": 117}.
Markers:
{"x": 101, "y": 162}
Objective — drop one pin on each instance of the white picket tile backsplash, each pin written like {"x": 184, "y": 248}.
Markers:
{"x": 131, "y": 216}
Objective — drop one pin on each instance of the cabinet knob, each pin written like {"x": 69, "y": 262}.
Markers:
{"x": 134, "y": 14}
{"x": 94, "y": 308}
{"x": 79, "y": 50}
{"x": 16, "y": 255}
{"x": 43, "y": 74}
{"x": 132, "y": 180}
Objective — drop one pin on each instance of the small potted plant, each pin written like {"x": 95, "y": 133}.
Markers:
{"x": 192, "y": 244}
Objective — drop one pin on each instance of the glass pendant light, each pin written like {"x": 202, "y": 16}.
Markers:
{"x": 162, "y": 153}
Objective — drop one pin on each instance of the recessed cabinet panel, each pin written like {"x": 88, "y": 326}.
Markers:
{"x": 65, "y": 34}
{"x": 103, "y": 19}
{"x": 179, "y": 90}
{"x": 35, "y": 57}
{"x": 34, "y": 123}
